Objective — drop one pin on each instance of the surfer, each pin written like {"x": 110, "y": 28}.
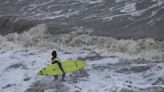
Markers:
{"x": 55, "y": 60}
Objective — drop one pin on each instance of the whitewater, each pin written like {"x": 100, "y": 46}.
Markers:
{"x": 113, "y": 65}
{"x": 121, "y": 42}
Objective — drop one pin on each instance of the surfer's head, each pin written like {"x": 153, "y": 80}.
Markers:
{"x": 54, "y": 54}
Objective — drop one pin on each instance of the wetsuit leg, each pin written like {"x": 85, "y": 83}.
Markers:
{"x": 56, "y": 77}
{"x": 60, "y": 66}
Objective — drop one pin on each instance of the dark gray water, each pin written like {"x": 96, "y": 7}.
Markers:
{"x": 126, "y": 65}
{"x": 115, "y": 18}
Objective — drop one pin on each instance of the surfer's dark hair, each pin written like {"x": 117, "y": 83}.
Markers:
{"x": 54, "y": 54}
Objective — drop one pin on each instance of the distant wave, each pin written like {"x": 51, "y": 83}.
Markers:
{"x": 11, "y": 24}
{"x": 41, "y": 38}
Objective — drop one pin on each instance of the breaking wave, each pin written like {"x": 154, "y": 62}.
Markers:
{"x": 10, "y": 24}
{"x": 41, "y": 38}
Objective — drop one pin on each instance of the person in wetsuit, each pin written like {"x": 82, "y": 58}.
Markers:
{"x": 56, "y": 60}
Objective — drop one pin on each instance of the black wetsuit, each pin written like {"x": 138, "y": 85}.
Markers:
{"x": 60, "y": 66}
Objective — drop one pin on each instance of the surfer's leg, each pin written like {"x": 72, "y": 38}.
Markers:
{"x": 56, "y": 77}
{"x": 61, "y": 68}
{"x": 63, "y": 75}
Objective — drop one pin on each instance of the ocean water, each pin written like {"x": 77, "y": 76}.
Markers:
{"x": 39, "y": 37}
{"x": 121, "y": 41}
{"x": 107, "y": 27}
{"x": 117, "y": 18}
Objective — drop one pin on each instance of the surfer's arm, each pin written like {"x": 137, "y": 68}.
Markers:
{"x": 54, "y": 61}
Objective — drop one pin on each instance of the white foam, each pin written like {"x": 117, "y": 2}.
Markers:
{"x": 130, "y": 9}
{"x": 118, "y": 1}
{"x": 38, "y": 38}
{"x": 91, "y": 1}
{"x": 104, "y": 78}
{"x": 95, "y": 1}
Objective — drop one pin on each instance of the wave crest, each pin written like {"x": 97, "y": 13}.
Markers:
{"x": 39, "y": 38}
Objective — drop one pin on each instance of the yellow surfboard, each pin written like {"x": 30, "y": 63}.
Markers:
{"x": 68, "y": 66}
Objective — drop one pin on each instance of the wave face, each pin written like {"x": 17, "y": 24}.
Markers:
{"x": 39, "y": 37}
{"x": 11, "y": 24}
{"x": 115, "y": 18}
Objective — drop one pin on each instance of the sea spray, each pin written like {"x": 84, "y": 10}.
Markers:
{"x": 39, "y": 38}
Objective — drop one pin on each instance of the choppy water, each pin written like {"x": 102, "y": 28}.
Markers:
{"x": 94, "y": 25}
{"x": 119, "y": 39}
{"x": 74, "y": 25}
{"x": 115, "y": 18}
